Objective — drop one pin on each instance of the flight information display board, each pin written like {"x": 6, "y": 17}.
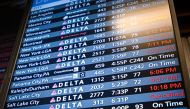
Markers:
{"x": 98, "y": 54}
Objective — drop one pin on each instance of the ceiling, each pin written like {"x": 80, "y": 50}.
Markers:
{"x": 11, "y": 14}
{"x": 183, "y": 15}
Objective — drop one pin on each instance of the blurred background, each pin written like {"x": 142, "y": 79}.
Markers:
{"x": 11, "y": 13}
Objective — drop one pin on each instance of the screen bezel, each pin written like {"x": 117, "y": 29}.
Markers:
{"x": 180, "y": 50}
{"x": 20, "y": 36}
{"x": 14, "y": 54}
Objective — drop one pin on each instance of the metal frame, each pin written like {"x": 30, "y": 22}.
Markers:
{"x": 12, "y": 62}
{"x": 180, "y": 51}
{"x": 14, "y": 55}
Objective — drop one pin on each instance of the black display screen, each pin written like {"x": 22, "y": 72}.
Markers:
{"x": 98, "y": 54}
